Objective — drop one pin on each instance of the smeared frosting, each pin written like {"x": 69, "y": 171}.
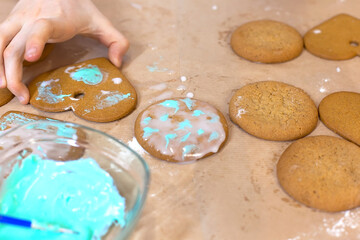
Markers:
{"x": 78, "y": 195}
{"x": 90, "y": 74}
{"x": 50, "y": 91}
{"x": 184, "y": 129}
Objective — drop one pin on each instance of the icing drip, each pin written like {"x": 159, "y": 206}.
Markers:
{"x": 185, "y": 129}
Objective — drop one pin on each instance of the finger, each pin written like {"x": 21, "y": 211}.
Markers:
{"x": 113, "y": 39}
{"x": 13, "y": 59}
{"x": 7, "y": 30}
{"x": 37, "y": 38}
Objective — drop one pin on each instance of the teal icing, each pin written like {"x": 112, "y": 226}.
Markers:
{"x": 170, "y": 104}
{"x": 62, "y": 130}
{"x": 164, "y": 117}
{"x": 214, "y": 135}
{"x": 90, "y": 75}
{"x": 184, "y": 124}
{"x": 168, "y": 137}
{"x": 110, "y": 99}
{"x": 148, "y": 131}
{"x": 189, "y": 103}
{"x": 146, "y": 121}
{"x": 197, "y": 113}
{"x": 200, "y": 131}
{"x": 14, "y": 118}
{"x": 45, "y": 93}
{"x": 184, "y": 138}
{"x": 155, "y": 68}
{"x": 78, "y": 195}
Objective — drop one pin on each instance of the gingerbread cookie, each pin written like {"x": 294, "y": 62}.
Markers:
{"x": 267, "y": 41}
{"x": 94, "y": 90}
{"x": 322, "y": 172}
{"x": 337, "y": 38}
{"x": 273, "y": 111}
{"x": 181, "y": 129}
{"x": 340, "y": 112}
{"x": 13, "y": 119}
{"x": 47, "y": 50}
{"x": 5, "y": 96}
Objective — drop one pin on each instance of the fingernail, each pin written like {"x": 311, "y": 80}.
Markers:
{"x": 31, "y": 52}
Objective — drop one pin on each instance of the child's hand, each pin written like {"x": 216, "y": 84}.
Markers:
{"x": 32, "y": 23}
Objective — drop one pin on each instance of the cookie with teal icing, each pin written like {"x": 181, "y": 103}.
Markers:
{"x": 181, "y": 129}
{"x": 12, "y": 119}
{"x": 94, "y": 90}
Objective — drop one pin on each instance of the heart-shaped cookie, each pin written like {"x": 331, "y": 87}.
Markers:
{"x": 336, "y": 39}
{"x": 94, "y": 90}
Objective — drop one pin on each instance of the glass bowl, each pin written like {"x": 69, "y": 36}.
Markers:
{"x": 66, "y": 141}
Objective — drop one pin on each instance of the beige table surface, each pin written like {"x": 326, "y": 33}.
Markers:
{"x": 233, "y": 194}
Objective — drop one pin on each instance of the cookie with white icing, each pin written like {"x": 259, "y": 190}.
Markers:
{"x": 273, "y": 111}
{"x": 94, "y": 90}
{"x": 13, "y": 119}
{"x": 181, "y": 129}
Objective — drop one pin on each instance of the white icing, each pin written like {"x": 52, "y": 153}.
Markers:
{"x": 190, "y": 95}
{"x": 117, "y": 80}
{"x": 181, "y": 88}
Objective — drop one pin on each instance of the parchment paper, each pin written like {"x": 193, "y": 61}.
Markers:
{"x": 181, "y": 48}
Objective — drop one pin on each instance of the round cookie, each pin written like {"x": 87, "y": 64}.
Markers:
{"x": 94, "y": 90}
{"x": 5, "y": 96}
{"x": 266, "y": 41}
{"x": 340, "y": 112}
{"x": 47, "y": 50}
{"x": 336, "y": 39}
{"x": 322, "y": 172}
{"x": 273, "y": 111}
{"x": 181, "y": 129}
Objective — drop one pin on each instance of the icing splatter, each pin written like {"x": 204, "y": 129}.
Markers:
{"x": 186, "y": 129}
{"x": 46, "y": 94}
{"x": 117, "y": 80}
{"x": 90, "y": 75}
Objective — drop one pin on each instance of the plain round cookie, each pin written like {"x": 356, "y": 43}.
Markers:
{"x": 336, "y": 39}
{"x": 273, "y": 111}
{"x": 322, "y": 172}
{"x": 267, "y": 41}
{"x": 181, "y": 129}
{"x": 340, "y": 112}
